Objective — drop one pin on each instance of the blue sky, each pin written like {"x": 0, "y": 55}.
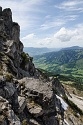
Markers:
{"x": 48, "y": 23}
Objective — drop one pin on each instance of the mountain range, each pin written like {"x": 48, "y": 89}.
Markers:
{"x": 67, "y": 61}
{"x": 39, "y": 51}
{"x": 72, "y": 48}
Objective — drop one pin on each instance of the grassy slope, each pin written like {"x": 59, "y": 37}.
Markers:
{"x": 66, "y": 62}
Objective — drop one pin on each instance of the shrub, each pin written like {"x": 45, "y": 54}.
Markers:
{"x": 8, "y": 77}
{"x": 25, "y": 57}
{"x": 31, "y": 59}
{"x": 25, "y": 60}
{"x": 1, "y": 54}
{"x": 24, "y": 122}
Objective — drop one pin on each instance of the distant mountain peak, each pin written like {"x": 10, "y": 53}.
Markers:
{"x": 72, "y": 48}
{"x": 39, "y": 51}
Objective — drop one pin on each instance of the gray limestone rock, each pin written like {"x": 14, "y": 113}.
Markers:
{"x": 12, "y": 47}
{"x": 7, "y": 115}
{"x": 43, "y": 102}
{"x": 9, "y": 92}
{"x": 35, "y": 109}
{"x": 15, "y": 32}
{"x": 22, "y": 103}
{"x": 2, "y": 27}
{"x": 34, "y": 122}
{"x": 57, "y": 87}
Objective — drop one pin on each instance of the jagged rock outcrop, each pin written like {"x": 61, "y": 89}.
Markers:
{"x": 27, "y": 96}
{"x": 57, "y": 87}
{"x": 7, "y": 115}
{"x": 42, "y": 101}
{"x": 11, "y": 47}
{"x": 37, "y": 102}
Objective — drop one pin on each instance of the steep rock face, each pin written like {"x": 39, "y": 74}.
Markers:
{"x": 8, "y": 91}
{"x": 7, "y": 115}
{"x": 7, "y": 18}
{"x": 57, "y": 87}
{"x": 11, "y": 46}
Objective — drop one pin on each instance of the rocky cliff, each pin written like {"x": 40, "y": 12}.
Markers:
{"x": 27, "y": 97}
{"x": 12, "y": 58}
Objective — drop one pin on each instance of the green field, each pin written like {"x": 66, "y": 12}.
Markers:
{"x": 64, "y": 62}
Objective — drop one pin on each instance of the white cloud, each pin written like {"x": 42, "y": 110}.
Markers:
{"x": 75, "y": 5}
{"x": 51, "y": 24}
{"x": 48, "y": 16}
{"x": 71, "y": 17}
{"x": 65, "y": 35}
{"x": 57, "y": 21}
{"x": 71, "y": 3}
{"x": 32, "y": 40}
{"x": 63, "y": 38}
{"x": 29, "y": 36}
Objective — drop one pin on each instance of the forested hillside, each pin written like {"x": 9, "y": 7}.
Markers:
{"x": 68, "y": 62}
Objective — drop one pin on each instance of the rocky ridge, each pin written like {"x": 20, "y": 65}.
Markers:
{"x": 27, "y": 96}
{"x": 11, "y": 48}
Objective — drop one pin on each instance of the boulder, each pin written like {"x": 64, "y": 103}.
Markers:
{"x": 22, "y": 103}
{"x": 34, "y": 122}
{"x": 35, "y": 109}
{"x": 7, "y": 115}
{"x": 9, "y": 92}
